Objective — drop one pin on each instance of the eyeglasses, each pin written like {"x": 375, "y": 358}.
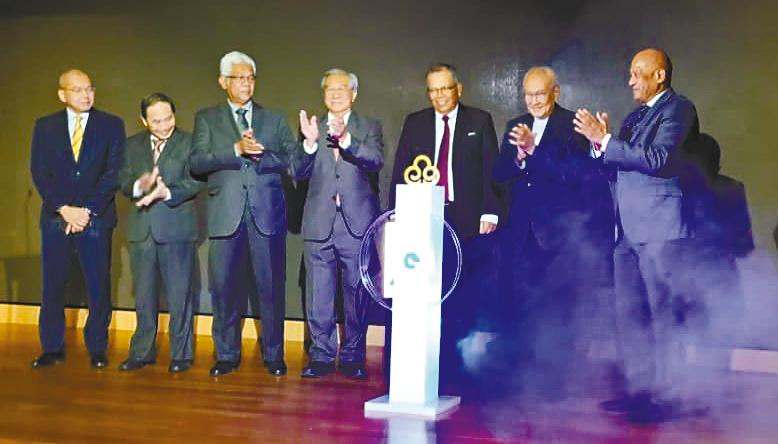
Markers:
{"x": 246, "y": 79}
{"x": 88, "y": 90}
{"x": 441, "y": 90}
{"x": 337, "y": 89}
{"x": 540, "y": 95}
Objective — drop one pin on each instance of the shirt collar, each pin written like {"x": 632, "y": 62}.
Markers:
{"x": 346, "y": 116}
{"x": 452, "y": 115}
{"x": 234, "y": 107}
{"x": 656, "y": 98}
{"x": 72, "y": 114}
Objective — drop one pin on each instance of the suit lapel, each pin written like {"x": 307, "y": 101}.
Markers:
{"x": 428, "y": 145}
{"x": 229, "y": 122}
{"x": 64, "y": 145}
{"x": 90, "y": 138}
{"x": 168, "y": 151}
{"x": 651, "y": 114}
{"x": 256, "y": 118}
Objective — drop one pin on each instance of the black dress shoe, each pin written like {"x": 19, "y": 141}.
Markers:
{"x": 98, "y": 360}
{"x": 353, "y": 370}
{"x": 131, "y": 364}
{"x": 48, "y": 359}
{"x": 222, "y": 368}
{"x": 276, "y": 368}
{"x": 179, "y": 366}
{"x": 317, "y": 369}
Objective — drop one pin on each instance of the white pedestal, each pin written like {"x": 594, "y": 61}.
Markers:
{"x": 413, "y": 278}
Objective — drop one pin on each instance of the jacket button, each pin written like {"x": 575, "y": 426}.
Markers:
{"x": 244, "y": 186}
{"x": 337, "y": 176}
{"x": 529, "y": 184}
{"x": 78, "y": 173}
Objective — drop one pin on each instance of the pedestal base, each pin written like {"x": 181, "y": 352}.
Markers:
{"x": 381, "y": 407}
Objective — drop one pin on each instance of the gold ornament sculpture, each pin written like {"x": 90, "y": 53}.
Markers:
{"x": 415, "y": 174}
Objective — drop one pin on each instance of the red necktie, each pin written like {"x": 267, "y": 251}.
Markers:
{"x": 443, "y": 158}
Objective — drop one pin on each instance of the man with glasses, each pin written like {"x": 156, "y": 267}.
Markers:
{"x": 243, "y": 149}
{"x": 76, "y": 156}
{"x": 556, "y": 238}
{"x": 344, "y": 151}
{"x": 462, "y": 142}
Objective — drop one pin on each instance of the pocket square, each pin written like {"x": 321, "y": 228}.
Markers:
{"x": 471, "y": 133}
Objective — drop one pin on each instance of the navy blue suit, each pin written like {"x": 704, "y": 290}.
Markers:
{"x": 90, "y": 182}
{"x": 653, "y": 265}
{"x": 556, "y": 244}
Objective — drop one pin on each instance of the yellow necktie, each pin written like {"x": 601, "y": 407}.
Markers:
{"x": 78, "y": 137}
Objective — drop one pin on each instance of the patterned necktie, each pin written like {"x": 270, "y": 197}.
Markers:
{"x": 78, "y": 138}
{"x": 631, "y": 121}
{"x": 157, "y": 148}
{"x": 443, "y": 158}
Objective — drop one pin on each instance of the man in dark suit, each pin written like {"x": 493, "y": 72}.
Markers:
{"x": 76, "y": 156}
{"x": 462, "y": 142}
{"x": 557, "y": 235}
{"x": 244, "y": 149}
{"x": 161, "y": 231}
{"x": 341, "y": 153}
{"x": 653, "y": 230}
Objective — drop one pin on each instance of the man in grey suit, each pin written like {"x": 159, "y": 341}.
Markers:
{"x": 341, "y": 152}
{"x": 243, "y": 149}
{"x": 650, "y": 259}
{"x": 161, "y": 231}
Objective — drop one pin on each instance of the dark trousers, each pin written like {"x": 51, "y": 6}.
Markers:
{"x": 322, "y": 261}
{"x": 247, "y": 255}
{"x": 175, "y": 264}
{"x": 652, "y": 284}
{"x": 93, "y": 247}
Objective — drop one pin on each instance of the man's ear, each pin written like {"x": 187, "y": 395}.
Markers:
{"x": 144, "y": 122}
{"x": 223, "y": 82}
{"x": 61, "y": 95}
{"x": 661, "y": 76}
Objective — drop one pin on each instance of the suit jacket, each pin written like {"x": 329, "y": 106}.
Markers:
{"x": 562, "y": 194}
{"x": 92, "y": 181}
{"x": 234, "y": 182}
{"x": 473, "y": 153}
{"x": 173, "y": 220}
{"x": 350, "y": 177}
{"x": 649, "y": 196}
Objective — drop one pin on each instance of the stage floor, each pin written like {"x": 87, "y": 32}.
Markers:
{"x": 71, "y": 402}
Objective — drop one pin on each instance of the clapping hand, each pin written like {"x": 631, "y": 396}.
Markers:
{"x": 159, "y": 192}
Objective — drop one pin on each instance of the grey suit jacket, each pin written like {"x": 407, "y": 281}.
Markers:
{"x": 165, "y": 221}
{"x": 234, "y": 182}
{"x": 650, "y": 164}
{"x": 349, "y": 177}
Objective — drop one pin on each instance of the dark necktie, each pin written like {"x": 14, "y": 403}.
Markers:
{"x": 443, "y": 158}
{"x": 243, "y": 123}
{"x": 631, "y": 121}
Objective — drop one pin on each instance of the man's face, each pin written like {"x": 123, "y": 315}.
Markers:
{"x": 338, "y": 95}
{"x": 443, "y": 91}
{"x": 540, "y": 94}
{"x": 239, "y": 84}
{"x": 76, "y": 92}
{"x": 160, "y": 120}
{"x": 645, "y": 78}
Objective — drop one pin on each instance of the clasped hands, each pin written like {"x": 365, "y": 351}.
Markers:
{"x": 248, "y": 145}
{"x": 153, "y": 188}
{"x": 76, "y": 218}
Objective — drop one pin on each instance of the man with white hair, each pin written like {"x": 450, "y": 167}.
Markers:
{"x": 243, "y": 149}
{"x": 343, "y": 154}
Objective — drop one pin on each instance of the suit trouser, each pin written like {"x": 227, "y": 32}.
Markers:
{"x": 93, "y": 247}
{"x": 652, "y": 284}
{"x": 322, "y": 262}
{"x": 244, "y": 255}
{"x": 175, "y": 263}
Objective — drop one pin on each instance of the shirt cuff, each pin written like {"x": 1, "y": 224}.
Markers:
{"x": 491, "y": 218}
{"x": 345, "y": 142}
{"x": 604, "y": 142}
{"x": 168, "y": 195}
{"x": 136, "y": 192}
{"x": 311, "y": 149}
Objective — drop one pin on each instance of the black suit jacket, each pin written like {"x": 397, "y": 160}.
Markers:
{"x": 562, "y": 194}
{"x": 473, "y": 153}
{"x": 165, "y": 221}
{"x": 92, "y": 181}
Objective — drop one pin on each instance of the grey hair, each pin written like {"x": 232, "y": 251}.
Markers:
{"x": 439, "y": 67}
{"x": 353, "y": 81}
{"x": 235, "y": 58}
{"x": 545, "y": 70}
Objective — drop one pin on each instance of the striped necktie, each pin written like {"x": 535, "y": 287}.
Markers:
{"x": 78, "y": 137}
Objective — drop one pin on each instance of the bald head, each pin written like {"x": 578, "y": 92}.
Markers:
{"x": 649, "y": 74}
{"x": 540, "y": 91}
{"x": 76, "y": 91}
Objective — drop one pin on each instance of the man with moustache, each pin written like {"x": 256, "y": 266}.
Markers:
{"x": 243, "y": 149}
{"x": 462, "y": 142}
{"x": 557, "y": 234}
{"x": 76, "y": 156}
{"x": 648, "y": 154}
{"x": 341, "y": 153}
{"x": 161, "y": 231}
